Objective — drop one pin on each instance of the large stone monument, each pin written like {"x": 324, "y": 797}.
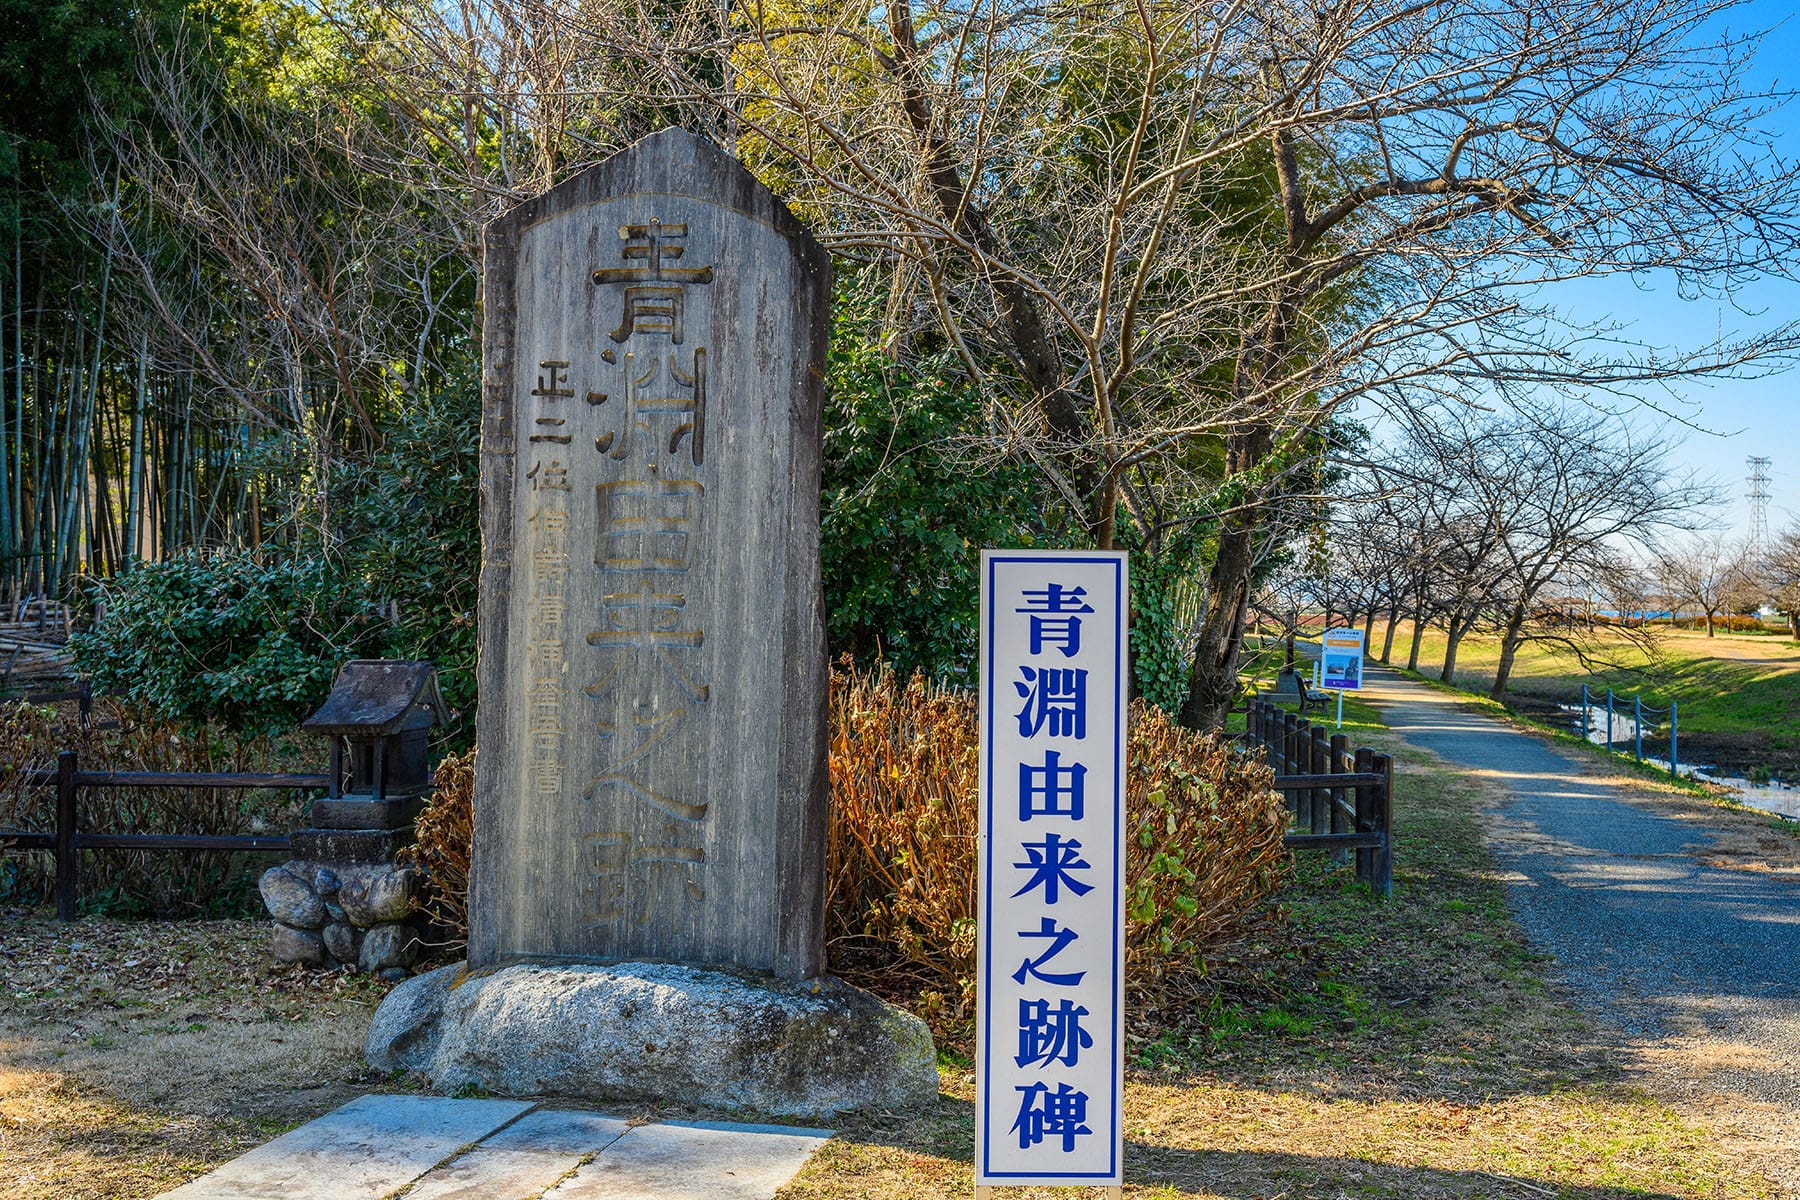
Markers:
{"x": 646, "y": 908}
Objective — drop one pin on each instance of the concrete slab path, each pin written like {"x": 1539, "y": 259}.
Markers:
{"x": 433, "y": 1148}
{"x": 1644, "y": 932}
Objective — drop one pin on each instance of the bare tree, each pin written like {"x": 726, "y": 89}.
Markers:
{"x": 1567, "y": 490}
{"x": 1625, "y": 585}
{"x": 1783, "y": 571}
{"x": 1145, "y": 226}
{"x": 1168, "y": 240}
{"x": 306, "y": 257}
{"x": 1703, "y": 571}
{"x": 1513, "y": 518}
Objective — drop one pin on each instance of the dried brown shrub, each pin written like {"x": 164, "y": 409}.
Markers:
{"x": 443, "y": 835}
{"x": 1204, "y": 850}
{"x": 901, "y": 841}
{"x": 1203, "y": 855}
{"x": 144, "y": 882}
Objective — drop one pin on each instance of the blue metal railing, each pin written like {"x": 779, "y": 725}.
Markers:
{"x": 1639, "y": 711}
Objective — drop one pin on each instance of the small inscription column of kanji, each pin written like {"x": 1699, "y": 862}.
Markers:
{"x": 548, "y": 580}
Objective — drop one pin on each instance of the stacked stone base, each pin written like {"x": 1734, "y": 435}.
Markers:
{"x": 337, "y": 914}
{"x": 656, "y": 1031}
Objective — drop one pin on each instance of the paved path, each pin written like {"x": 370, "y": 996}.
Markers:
{"x": 1666, "y": 947}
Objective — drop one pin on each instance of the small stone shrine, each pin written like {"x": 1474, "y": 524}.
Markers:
{"x": 341, "y": 901}
{"x": 647, "y": 894}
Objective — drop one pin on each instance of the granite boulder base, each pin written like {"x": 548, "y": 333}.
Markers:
{"x": 649, "y": 1030}
{"x": 650, "y": 789}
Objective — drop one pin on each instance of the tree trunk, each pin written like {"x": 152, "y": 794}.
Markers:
{"x": 1212, "y": 679}
{"x": 1709, "y": 622}
{"x": 1387, "y": 642}
{"x": 75, "y": 481}
{"x": 1458, "y": 630}
{"x": 134, "y": 487}
{"x": 1794, "y": 622}
{"x": 1213, "y": 682}
{"x": 6, "y": 539}
{"x": 1369, "y": 627}
{"x": 1509, "y": 649}
{"x": 1418, "y": 638}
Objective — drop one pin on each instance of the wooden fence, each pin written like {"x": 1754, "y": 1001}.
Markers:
{"x": 70, "y": 839}
{"x": 1342, "y": 799}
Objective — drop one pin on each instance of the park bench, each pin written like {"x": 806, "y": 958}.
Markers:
{"x": 1290, "y": 686}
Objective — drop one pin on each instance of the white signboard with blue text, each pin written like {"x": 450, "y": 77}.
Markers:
{"x": 1049, "y": 1071}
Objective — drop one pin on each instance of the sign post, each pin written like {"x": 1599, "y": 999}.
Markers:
{"x": 1341, "y": 664}
{"x": 1050, "y": 1030}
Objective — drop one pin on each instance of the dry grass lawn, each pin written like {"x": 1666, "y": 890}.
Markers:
{"x": 135, "y": 1055}
{"x": 1411, "y": 1048}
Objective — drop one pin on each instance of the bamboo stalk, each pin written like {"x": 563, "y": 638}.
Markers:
{"x": 134, "y": 502}
{"x": 6, "y": 526}
{"x": 16, "y": 566}
{"x": 75, "y": 498}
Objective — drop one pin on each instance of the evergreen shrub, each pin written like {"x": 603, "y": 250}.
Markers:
{"x": 254, "y": 640}
{"x": 907, "y": 503}
{"x": 225, "y": 639}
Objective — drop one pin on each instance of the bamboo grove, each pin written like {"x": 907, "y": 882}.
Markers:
{"x": 1156, "y": 252}
{"x": 108, "y": 458}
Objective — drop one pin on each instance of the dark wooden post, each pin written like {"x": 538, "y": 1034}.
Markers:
{"x": 1384, "y": 815}
{"x": 1339, "y": 744}
{"x": 1285, "y": 765}
{"x": 68, "y": 862}
{"x": 1321, "y": 749}
{"x": 1309, "y": 796}
{"x": 1299, "y": 742}
{"x": 1365, "y": 815}
{"x": 1303, "y": 766}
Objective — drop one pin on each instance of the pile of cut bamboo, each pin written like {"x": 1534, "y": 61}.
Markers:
{"x": 34, "y": 653}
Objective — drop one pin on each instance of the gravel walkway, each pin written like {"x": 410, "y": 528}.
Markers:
{"x": 1696, "y": 967}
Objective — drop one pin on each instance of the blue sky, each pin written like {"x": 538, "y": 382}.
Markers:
{"x": 1732, "y": 418}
